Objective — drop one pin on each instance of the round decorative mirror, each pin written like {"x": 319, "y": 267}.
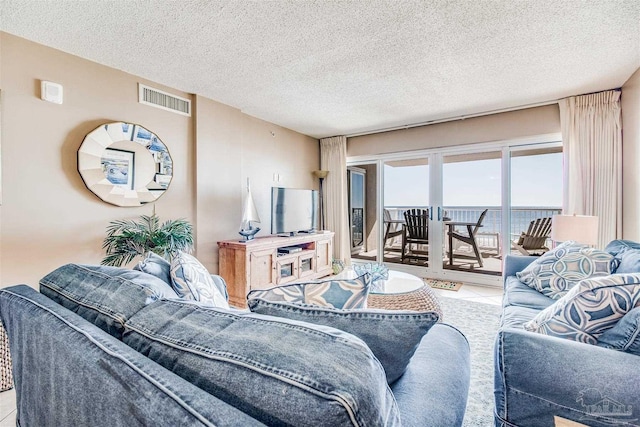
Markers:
{"x": 125, "y": 164}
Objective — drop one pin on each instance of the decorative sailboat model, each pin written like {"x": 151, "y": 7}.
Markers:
{"x": 249, "y": 215}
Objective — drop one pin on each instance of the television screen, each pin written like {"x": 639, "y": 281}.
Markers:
{"x": 293, "y": 210}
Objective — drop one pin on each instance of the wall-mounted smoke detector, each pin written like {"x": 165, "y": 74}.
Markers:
{"x": 166, "y": 101}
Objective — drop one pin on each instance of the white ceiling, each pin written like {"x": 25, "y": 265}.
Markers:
{"x": 327, "y": 68}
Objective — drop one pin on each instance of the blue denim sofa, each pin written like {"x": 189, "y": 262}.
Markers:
{"x": 68, "y": 371}
{"x": 539, "y": 377}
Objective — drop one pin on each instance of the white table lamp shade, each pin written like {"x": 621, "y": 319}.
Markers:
{"x": 581, "y": 228}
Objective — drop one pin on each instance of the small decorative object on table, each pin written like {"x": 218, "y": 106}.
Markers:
{"x": 337, "y": 265}
{"x": 249, "y": 214}
{"x": 379, "y": 273}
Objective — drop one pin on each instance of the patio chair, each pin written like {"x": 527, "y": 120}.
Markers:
{"x": 415, "y": 232}
{"x": 391, "y": 229}
{"x": 469, "y": 238}
{"x": 532, "y": 242}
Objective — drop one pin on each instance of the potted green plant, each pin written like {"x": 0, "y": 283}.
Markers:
{"x": 127, "y": 239}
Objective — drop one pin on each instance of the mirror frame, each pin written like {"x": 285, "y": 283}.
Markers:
{"x": 97, "y": 153}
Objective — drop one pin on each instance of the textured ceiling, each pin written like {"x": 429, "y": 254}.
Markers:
{"x": 327, "y": 68}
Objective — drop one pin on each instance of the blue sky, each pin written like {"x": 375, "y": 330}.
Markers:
{"x": 535, "y": 181}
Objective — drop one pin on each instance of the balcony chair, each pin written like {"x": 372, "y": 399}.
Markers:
{"x": 468, "y": 238}
{"x": 415, "y": 232}
{"x": 532, "y": 242}
{"x": 391, "y": 229}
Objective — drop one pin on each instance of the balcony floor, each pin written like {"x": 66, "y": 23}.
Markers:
{"x": 492, "y": 263}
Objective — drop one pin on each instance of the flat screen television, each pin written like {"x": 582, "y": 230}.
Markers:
{"x": 293, "y": 210}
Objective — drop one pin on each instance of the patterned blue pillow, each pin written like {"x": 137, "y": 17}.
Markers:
{"x": 155, "y": 265}
{"x": 560, "y": 269}
{"x": 589, "y": 309}
{"x": 192, "y": 281}
{"x": 336, "y": 293}
{"x": 393, "y": 336}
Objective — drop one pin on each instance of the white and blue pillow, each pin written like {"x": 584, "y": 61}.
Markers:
{"x": 336, "y": 293}
{"x": 589, "y": 309}
{"x": 192, "y": 281}
{"x": 557, "y": 271}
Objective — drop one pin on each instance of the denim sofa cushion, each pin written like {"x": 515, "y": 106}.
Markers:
{"x": 192, "y": 281}
{"x": 105, "y": 296}
{"x": 518, "y": 294}
{"x": 279, "y": 371}
{"x": 625, "y": 335}
{"x": 629, "y": 260}
{"x": 514, "y": 316}
{"x": 336, "y": 293}
{"x": 392, "y": 336}
{"x": 589, "y": 309}
{"x": 558, "y": 270}
{"x": 68, "y": 372}
{"x": 433, "y": 390}
{"x": 155, "y": 265}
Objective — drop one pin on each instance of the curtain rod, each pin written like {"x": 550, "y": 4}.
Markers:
{"x": 468, "y": 116}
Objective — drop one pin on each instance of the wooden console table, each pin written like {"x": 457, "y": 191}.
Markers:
{"x": 262, "y": 263}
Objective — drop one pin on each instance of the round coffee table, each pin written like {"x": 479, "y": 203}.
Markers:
{"x": 401, "y": 291}
{"x": 398, "y": 283}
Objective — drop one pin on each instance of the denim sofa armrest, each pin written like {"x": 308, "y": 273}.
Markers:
{"x": 433, "y": 390}
{"x": 516, "y": 263}
{"x": 69, "y": 372}
{"x": 538, "y": 377}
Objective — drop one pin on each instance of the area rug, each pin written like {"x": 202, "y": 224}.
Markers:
{"x": 443, "y": 284}
{"x": 479, "y": 323}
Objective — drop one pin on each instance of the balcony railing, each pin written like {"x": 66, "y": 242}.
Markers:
{"x": 492, "y": 224}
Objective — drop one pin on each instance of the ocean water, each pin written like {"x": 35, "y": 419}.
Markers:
{"x": 520, "y": 216}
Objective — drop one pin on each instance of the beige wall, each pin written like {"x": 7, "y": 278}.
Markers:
{"x": 630, "y": 100}
{"x": 495, "y": 127}
{"x": 48, "y": 216}
{"x": 231, "y": 147}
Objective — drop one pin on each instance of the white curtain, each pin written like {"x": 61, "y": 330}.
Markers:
{"x": 333, "y": 158}
{"x": 592, "y": 145}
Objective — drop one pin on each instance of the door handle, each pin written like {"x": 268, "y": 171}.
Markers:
{"x": 430, "y": 213}
{"x": 439, "y": 213}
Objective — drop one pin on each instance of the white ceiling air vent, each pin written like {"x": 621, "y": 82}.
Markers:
{"x": 157, "y": 98}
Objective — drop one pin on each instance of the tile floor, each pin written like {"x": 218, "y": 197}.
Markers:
{"x": 470, "y": 292}
{"x": 8, "y": 408}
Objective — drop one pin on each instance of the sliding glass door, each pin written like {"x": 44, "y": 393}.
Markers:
{"x": 406, "y": 208}
{"x": 455, "y": 213}
{"x": 472, "y": 212}
{"x": 364, "y": 226}
{"x": 536, "y": 195}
